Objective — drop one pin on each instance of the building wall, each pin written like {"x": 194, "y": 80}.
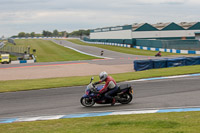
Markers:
{"x": 197, "y": 36}
{"x": 128, "y": 34}
{"x": 122, "y": 34}
{"x": 170, "y": 44}
{"x": 164, "y": 34}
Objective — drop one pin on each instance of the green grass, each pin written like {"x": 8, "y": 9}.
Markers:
{"x": 13, "y": 58}
{"x": 133, "y": 51}
{"x": 184, "y": 122}
{"x": 48, "y": 51}
{"x": 18, "y": 85}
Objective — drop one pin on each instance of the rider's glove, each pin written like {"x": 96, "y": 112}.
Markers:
{"x": 96, "y": 92}
{"x": 95, "y": 83}
{"x": 99, "y": 95}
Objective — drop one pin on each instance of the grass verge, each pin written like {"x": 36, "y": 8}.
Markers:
{"x": 48, "y": 51}
{"x": 184, "y": 122}
{"x": 133, "y": 51}
{"x": 19, "y": 85}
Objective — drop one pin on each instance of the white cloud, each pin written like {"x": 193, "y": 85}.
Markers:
{"x": 38, "y": 15}
{"x": 161, "y": 1}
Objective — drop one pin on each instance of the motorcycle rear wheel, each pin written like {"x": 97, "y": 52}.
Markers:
{"x": 87, "y": 102}
{"x": 125, "y": 98}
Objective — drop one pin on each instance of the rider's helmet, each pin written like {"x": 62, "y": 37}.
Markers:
{"x": 103, "y": 75}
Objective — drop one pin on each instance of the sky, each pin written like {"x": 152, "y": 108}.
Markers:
{"x": 70, "y": 15}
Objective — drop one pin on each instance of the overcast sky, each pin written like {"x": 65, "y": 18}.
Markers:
{"x": 69, "y": 15}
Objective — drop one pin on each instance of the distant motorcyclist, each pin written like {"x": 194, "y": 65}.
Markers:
{"x": 109, "y": 88}
{"x": 158, "y": 54}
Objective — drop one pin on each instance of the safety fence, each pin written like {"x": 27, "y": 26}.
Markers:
{"x": 169, "y": 43}
{"x": 140, "y": 65}
{"x": 1, "y": 45}
{"x": 147, "y": 48}
{"x": 11, "y": 41}
{"x": 13, "y": 49}
{"x": 111, "y": 44}
{"x": 190, "y": 44}
{"x": 36, "y": 37}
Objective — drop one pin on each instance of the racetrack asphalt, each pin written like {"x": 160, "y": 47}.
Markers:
{"x": 179, "y": 92}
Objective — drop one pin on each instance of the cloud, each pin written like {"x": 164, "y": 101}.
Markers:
{"x": 162, "y": 1}
{"x": 37, "y": 15}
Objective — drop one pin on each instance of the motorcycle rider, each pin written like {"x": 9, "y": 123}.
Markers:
{"x": 110, "y": 86}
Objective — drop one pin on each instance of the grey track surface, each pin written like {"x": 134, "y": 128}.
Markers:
{"x": 179, "y": 92}
{"x": 95, "y": 50}
{"x": 118, "y": 58}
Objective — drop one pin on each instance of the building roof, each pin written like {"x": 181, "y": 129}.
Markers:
{"x": 166, "y": 26}
{"x": 136, "y": 25}
{"x": 173, "y": 26}
{"x": 195, "y": 26}
{"x": 186, "y": 25}
{"x": 146, "y": 27}
{"x": 153, "y": 27}
{"x": 160, "y": 25}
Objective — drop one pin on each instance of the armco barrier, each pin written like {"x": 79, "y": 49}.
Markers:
{"x": 24, "y": 61}
{"x": 168, "y": 50}
{"x": 140, "y": 65}
{"x": 36, "y": 37}
{"x": 108, "y": 43}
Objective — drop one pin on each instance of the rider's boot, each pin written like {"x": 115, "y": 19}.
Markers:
{"x": 113, "y": 102}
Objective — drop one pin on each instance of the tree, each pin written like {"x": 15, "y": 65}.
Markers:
{"x": 32, "y": 34}
{"x": 22, "y": 34}
{"x": 49, "y": 34}
{"x": 27, "y": 35}
{"x": 63, "y": 34}
{"x": 44, "y": 33}
{"x": 55, "y": 33}
{"x": 80, "y": 33}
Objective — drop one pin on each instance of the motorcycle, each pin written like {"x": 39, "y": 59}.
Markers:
{"x": 124, "y": 95}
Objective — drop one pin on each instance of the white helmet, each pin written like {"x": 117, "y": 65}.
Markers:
{"x": 103, "y": 75}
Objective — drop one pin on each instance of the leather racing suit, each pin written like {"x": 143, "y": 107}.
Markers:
{"x": 110, "y": 87}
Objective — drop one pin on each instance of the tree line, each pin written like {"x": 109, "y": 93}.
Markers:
{"x": 55, "y": 33}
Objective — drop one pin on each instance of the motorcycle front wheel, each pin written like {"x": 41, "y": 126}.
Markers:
{"x": 87, "y": 102}
{"x": 125, "y": 98}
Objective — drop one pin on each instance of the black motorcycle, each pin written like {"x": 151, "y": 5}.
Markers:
{"x": 124, "y": 95}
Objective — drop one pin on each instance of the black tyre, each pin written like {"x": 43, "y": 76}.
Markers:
{"x": 125, "y": 98}
{"x": 87, "y": 102}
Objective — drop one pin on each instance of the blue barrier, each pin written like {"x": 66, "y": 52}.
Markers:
{"x": 192, "y": 60}
{"x": 159, "y": 63}
{"x": 22, "y": 61}
{"x": 140, "y": 65}
{"x": 176, "y": 62}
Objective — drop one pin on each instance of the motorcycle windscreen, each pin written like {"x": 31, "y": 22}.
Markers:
{"x": 99, "y": 87}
